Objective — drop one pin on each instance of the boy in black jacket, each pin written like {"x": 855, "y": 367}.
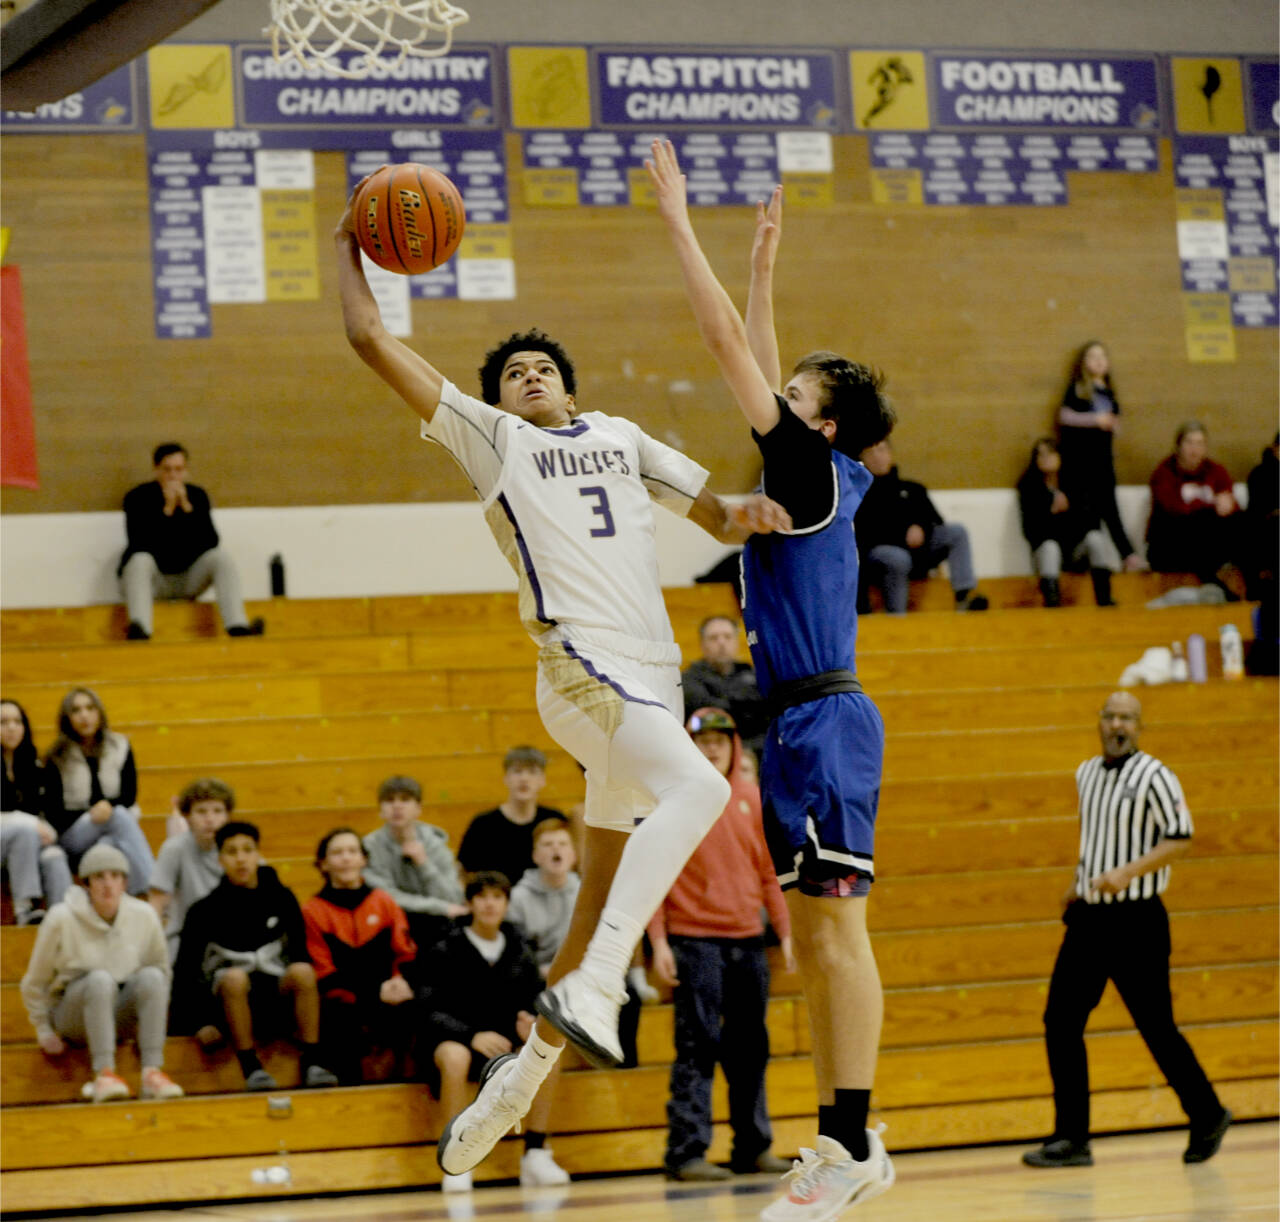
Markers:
{"x": 901, "y": 537}
{"x": 243, "y": 954}
{"x": 482, "y": 981}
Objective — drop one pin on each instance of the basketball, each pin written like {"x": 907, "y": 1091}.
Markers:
{"x": 409, "y": 218}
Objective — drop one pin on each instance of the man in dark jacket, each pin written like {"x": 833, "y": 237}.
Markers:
{"x": 173, "y": 548}
{"x": 901, "y": 537}
{"x": 718, "y": 680}
{"x": 242, "y": 962}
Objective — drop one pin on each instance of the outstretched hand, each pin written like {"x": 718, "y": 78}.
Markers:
{"x": 758, "y": 515}
{"x": 768, "y": 232}
{"x": 668, "y": 182}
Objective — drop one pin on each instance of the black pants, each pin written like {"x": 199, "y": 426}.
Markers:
{"x": 1127, "y": 943}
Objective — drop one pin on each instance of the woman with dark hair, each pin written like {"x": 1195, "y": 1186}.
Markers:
{"x": 28, "y": 842}
{"x": 1087, "y": 421}
{"x": 1057, "y": 531}
{"x": 99, "y": 787}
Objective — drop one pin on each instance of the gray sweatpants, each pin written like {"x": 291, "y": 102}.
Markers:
{"x": 143, "y": 583}
{"x": 34, "y": 870}
{"x": 96, "y": 1011}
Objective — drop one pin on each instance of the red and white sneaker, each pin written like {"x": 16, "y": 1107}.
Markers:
{"x": 106, "y": 1086}
{"x": 824, "y": 1182}
{"x": 156, "y": 1084}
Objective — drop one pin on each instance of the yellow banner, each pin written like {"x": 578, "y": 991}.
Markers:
{"x": 1200, "y": 204}
{"x": 1206, "y": 309}
{"x": 486, "y": 242}
{"x": 1252, "y": 275}
{"x": 549, "y": 86}
{"x": 1208, "y": 95}
{"x": 1211, "y": 344}
{"x": 289, "y": 245}
{"x": 891, "y": 186}
{"x": 809, "y": 189}
{"x": 556, "y": 187}
{"x": 190, "y": 86}
{"x": 890, "y": 90}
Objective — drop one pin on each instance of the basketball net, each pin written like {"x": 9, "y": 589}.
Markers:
{"x": 318, "y": 32}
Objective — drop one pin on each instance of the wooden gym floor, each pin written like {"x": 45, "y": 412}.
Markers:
{"x": 1137, "y": 1178}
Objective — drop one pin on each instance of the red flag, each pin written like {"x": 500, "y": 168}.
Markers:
{"x": 17, "y": 429}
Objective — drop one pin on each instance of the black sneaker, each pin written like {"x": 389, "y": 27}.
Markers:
{"x": 136, "y": 632}
{"x": 255, "y": 627}
{"x": 1201, "y": 1148}
{"x": 1060, "y": 1153}
{"x": 698, "y": 1171}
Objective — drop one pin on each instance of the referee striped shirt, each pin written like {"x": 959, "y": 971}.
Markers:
{"x": 1126, "y": 809}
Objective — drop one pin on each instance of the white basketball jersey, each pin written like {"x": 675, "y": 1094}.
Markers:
{"x": 572, "y": 511}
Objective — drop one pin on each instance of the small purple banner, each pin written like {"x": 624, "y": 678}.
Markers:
{"x": 108, "y": 105}
{"x": 177, "y": 243}
{"x": 972, "y": 90}
{"x": 1264, "y": 94}
{"x": 715, "y": 88}
{"x": 454, "y": 91}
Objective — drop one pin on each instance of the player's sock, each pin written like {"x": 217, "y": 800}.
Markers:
{"x": 611, "y": 947}
{"x": 534, "y": 1062}
{"x": 846, "y": 1121}
{"x": 248, "y": 1061}
{"x": 534, "y": 1141}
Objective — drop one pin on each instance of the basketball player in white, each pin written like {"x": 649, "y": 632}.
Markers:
{"x": 568, "y": 496}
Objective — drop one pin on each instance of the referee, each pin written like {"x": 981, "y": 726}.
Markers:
{"x": 1133, "y": 824}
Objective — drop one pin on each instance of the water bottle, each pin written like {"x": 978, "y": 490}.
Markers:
{"x": 1179, "y": 672}
{"x": 1232, "y": 651}
{"x": 1197, "y": 667}
{"x": 277, "y": 576}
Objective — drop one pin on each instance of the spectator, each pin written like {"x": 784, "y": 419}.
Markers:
{"x": 173, "y": 548}
{"x": 719, "y": 680}
{"x": 411, "y": 861}
{"x": 99, "y": 785}
{"x": 1193, "y": 513}
{"x": 1134, "y": 823}
{"x": 481, "y": 982}
{"x": 29, "y": 848}
{"x": 187, "y": 866}
{"x": 1262, "y": 523}
{"x": 99, "y": 966}
{"x": 501, "y": 839}
{"x": 901, "y": 537}
{"x": 1087, "y": 423}
{"x": 708, "y": 944}
{"x": 242, "y": 963}
{"x": 358, "y": 939}
{"x": 542, "y": 901}
{"x": 1055, "y": 529}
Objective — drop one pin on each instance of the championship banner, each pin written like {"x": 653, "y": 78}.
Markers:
{"x": 17, "y": 429}
{"x": 108, "y": 105}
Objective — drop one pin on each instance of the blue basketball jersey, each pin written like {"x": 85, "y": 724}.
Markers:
{"x": 800, "y": 590}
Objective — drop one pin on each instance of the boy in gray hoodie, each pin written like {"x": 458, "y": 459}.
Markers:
{"x": 542, "y": 901}
{"x": 412, "y": 862}
{"x": 100, "y": 963}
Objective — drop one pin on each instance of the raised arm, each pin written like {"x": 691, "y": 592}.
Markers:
{"x": 721, "y": 325}
{"x": 409, "y": 375}
{"x": 764, "y": 250}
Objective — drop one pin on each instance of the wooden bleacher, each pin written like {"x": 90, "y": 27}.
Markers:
{"x": 986, "y": 715}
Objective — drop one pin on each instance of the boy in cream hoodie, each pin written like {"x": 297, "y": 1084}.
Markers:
{"x": 99, "y": 964}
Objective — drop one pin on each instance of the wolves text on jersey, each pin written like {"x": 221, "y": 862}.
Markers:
{"x": 552, "y": 463}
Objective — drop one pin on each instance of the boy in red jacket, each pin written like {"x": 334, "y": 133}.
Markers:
{"x": 358, "y": 940}
{"x": 708, "y": 943}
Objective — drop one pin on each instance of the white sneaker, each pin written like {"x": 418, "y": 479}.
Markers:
{"x": 475, "y": 1130}
{"x": 823, "y": 1182}
{"x": 586, "y": 1015}
{"x": 456, "y": 1183}
{"x": 539, "y": 1170}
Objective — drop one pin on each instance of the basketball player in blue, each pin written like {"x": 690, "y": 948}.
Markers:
{"x": 820, "y": 775}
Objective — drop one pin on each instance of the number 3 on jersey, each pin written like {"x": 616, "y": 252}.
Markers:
{"x": 601, "y": 508}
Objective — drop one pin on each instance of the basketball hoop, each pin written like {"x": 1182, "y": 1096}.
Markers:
{"x": 371, "y": 28}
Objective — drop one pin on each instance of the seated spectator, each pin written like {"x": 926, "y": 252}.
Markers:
{"x": 708, "y": 944}
{"x": 29, "y": 850}
{"x": 501, "y": 839}
{"x": 173, "y": 549}
{"x": 412, "y": 862}
{"x": 481, "y": 982}
{"x": 902, "y": 537}
{"x": 359, "y": 943}
{"x": 1087, "y": 424}
{"x": 100, "y": 967}
{"x": 1056, "y": 530}
{"x": 542, "y": 901}
{"x": 1193, "y": 525}
{"x": 187, "y": 866}
{"x": 242, "y": 964}
{"x": 1262, "y": 523}
{"x": 99, "y": 787}
{"x": 718, "y": 679}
